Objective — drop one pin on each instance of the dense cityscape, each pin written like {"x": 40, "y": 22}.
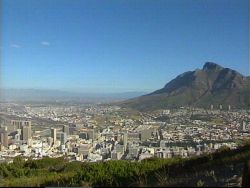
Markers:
{"x": 90, "y": 132}
{"x": 124, "y": 93}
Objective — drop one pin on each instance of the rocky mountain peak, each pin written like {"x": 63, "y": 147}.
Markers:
{"x": 210, "y": 66}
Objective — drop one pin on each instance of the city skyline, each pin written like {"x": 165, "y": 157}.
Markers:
{"x": 124, "y": 93}
{"x": 118, "y": 46}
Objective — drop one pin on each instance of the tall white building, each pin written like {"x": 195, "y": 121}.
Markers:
{"x": 244, "y": 126}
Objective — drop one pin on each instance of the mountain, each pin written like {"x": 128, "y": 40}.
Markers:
{"x": 213, "y": 84}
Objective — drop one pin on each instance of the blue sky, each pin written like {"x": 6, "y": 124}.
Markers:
{"x": 118, "y": 46}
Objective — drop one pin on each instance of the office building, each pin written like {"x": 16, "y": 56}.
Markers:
{"x": 88, "y": 134}
{"x": 91, "y": 134}
{"x": 83, "y": 149}
{"x": 18, "y": 135}
{"x": 146, "y": 134}
{"x": 66, "y": 129}
{"x": 26, "y": 132}
{"x": 83, "y": 135}
{"x": 125, "y": 141}
{"x": 63, "y": 138}
{"x": 13, "y": 125}
{"x": 53, "y": 134}
{"x": 244, "y": 126}
{"x": 4, "y": 139}
{"x": 133, "y": 136}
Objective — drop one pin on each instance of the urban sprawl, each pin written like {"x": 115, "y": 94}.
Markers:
{"x": 103, "y": 132}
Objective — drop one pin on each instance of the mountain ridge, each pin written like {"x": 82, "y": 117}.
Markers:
{"x": 213, "y": 84}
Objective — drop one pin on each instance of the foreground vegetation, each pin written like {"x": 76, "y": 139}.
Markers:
{"x": 210, "y": 169}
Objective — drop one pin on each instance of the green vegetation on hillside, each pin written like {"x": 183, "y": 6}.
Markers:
{"x": 151, "y": 172}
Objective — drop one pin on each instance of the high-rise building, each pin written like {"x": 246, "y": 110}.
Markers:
{"x": 18, "y": 135}
{"x": 18, "y": 124}
{"x": 244, "y": 126}
{"x": 119, "y": 148}
{"x": 163, "y": 143}
{"x": 146, "y": 134}
{"x": 125, "y": 140}
{"x": 91, "y": 134}
{"x": 83, "y": 149}
{"x": 66, "y": 129}
{"x": 113, "y": 155}
{"x": 133, "y": 136}
{"x": 50, "y": 141}
{"x": 4, "y": 139}
{"x": 63, "y": 138}
{"x": 53, "y": 134}
{"x": 83, "y": 135}
{"x": 26, "y": 132}
{"x": 133, "y": 151}
{"x": 14, "y": 124}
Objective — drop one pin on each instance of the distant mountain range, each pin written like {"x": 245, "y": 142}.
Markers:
{"x": 213, "y": 84}
{"x": 40, "y": 95}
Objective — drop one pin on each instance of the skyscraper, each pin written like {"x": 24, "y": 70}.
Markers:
{"x": 53, "y": 134}
{"x": 91, "y": 133}
{"x": 66, "y": 129}
{"x": 146, "y": 134}
{"x": 63, "y": 138}
{"x": 125, "y": 140}
{"x": 14, "y": 124}
{"x": 26, "y": 132}
{"x": 4, "y": 138}
{"x": 18, "y": 135}
{"x": 244, "y": 126}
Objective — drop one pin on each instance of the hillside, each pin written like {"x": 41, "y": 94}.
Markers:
{"x": 223, "y": 168}
{"x": 213, "y": 84}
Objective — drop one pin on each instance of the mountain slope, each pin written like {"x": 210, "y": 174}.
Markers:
{"x": 212, "y": 84}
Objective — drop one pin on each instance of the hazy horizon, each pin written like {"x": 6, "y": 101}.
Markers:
{"x": 42, "y": 95}
{"x": 73, "y": 91}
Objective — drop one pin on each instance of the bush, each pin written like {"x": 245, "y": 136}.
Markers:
{"x": 150, "y": 172}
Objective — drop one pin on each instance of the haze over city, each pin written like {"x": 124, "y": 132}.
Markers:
{"x": 124, "y": 93}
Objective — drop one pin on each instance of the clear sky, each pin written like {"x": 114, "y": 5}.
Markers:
{"x": 118, "y": 45}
